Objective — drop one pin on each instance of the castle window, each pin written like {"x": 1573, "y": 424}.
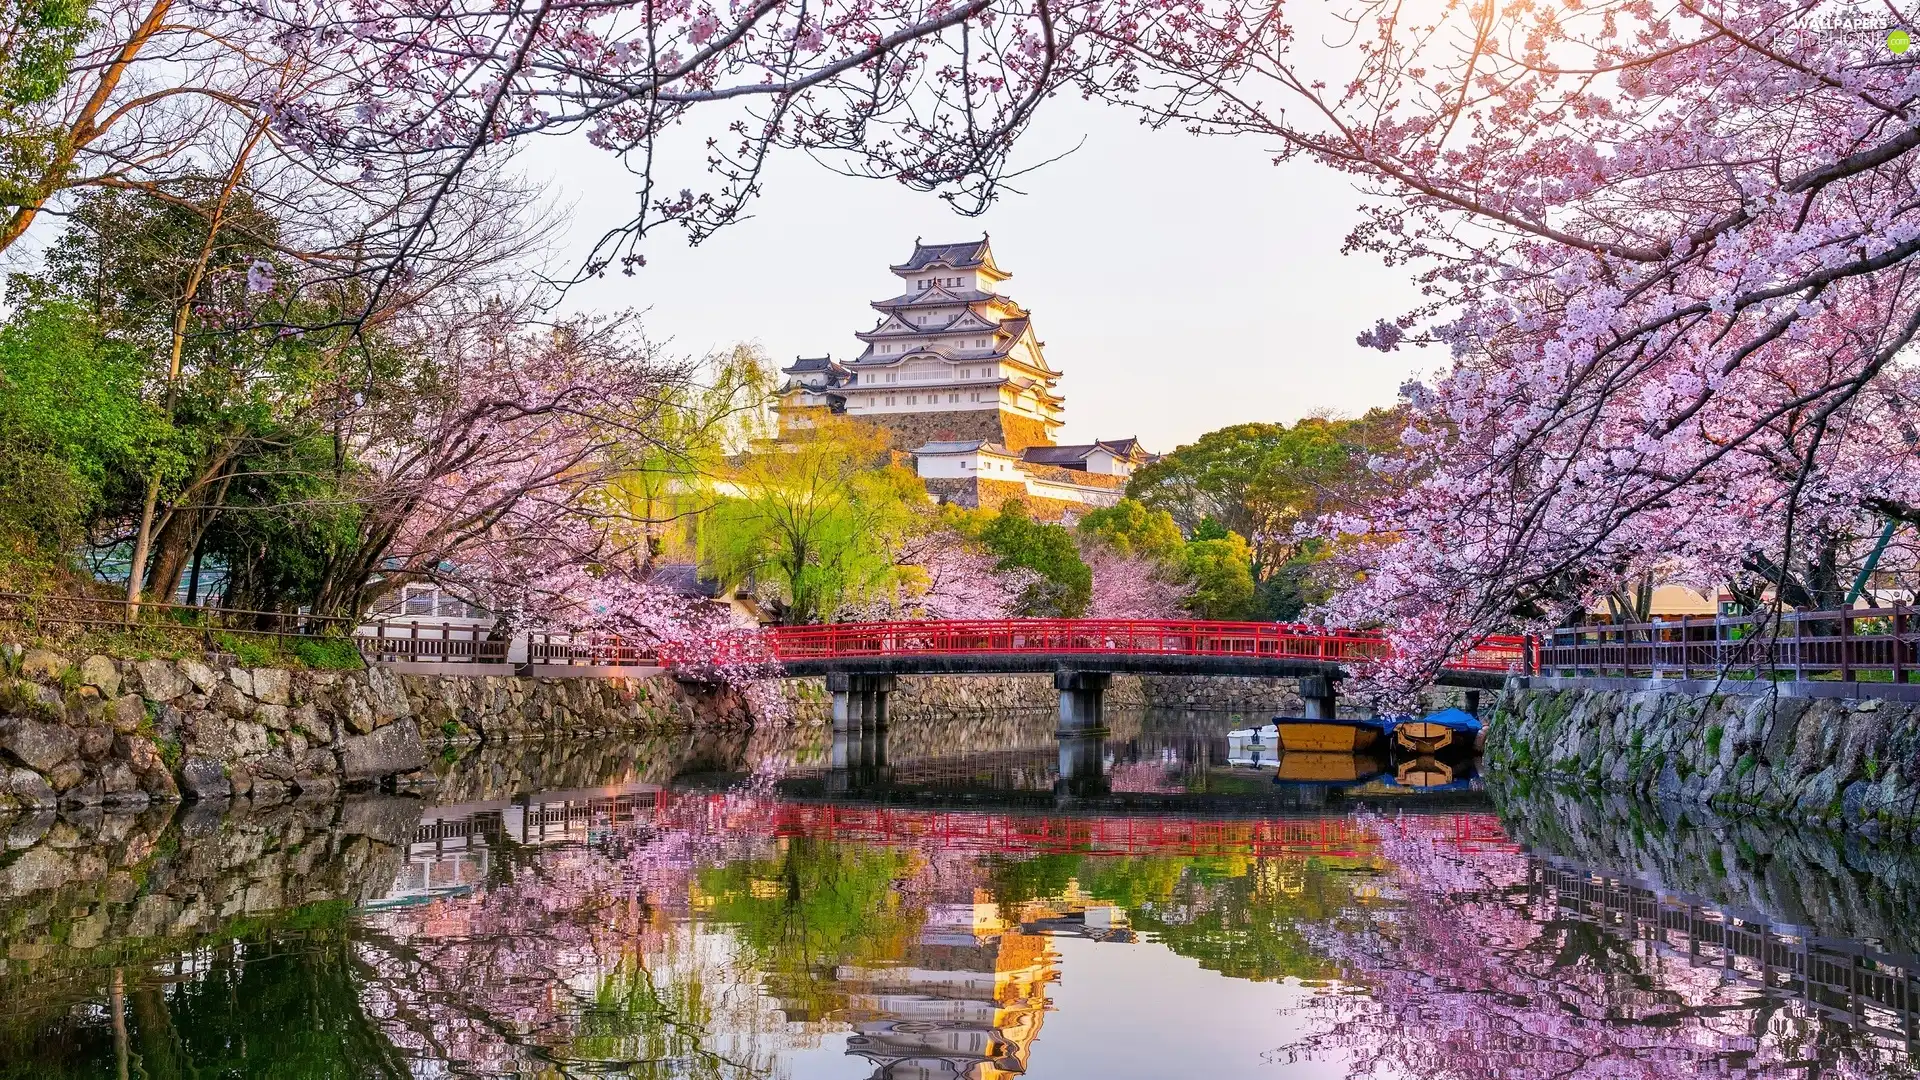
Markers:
{"x": 953, "y": 399}
{"x": 913, "y": 399}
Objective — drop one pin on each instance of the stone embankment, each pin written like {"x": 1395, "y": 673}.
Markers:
{"x": 1843, "y": 763}
{"x": 117, "y": 732}
{"x": 86, "y": 890}
{"x": 1839, "y": 885}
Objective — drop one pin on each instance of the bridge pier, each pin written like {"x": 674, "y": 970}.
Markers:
{"x": 1317, "y": 697}
{"x": 1083, "y": 765}
{"x": 859, "y": 722}
{"x": 1082, "y": 700}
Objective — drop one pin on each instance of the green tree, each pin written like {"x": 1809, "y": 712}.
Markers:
{"x": 1130, "y": 527}
{"x": 37, "y": 42}
{"x": 1065, "y": 585}
{"x": 1262, "y": 480}
{"x": 817, "y": 518}
{"x": 1222, "y": 575}
{"x": 71, "y": 423}
{"x": 700, "y": 424}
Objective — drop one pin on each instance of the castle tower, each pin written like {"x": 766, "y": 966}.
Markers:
{"x": 952, "y": 358}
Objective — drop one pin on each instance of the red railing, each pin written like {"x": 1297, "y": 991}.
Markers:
{"x": 1093, "y": 637}
{"x": 976, "y": 831}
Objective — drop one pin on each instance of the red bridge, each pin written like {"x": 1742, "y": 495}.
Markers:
{"x": 984, "y": 646}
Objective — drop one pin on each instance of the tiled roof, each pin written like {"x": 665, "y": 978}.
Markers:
{"x": 966, "y": 446}
{"x": 1058, "y": 455}
{"x": 937, "y": 297}
{"x": 1078, "y": 453}
{"x": 813, "y": 363}
{"x": 962, "y": 256}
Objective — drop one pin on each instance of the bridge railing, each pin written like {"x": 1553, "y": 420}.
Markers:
{"x": 1161, "y": 637}
{"x": 589, "y": 650}
{"x": 1002, "y": 636}
{"x": 1876, "y": 644}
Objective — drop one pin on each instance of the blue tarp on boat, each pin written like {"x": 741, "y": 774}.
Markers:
{"x": 1454, "y": 720}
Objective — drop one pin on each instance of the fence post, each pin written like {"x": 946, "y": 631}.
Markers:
{"x": 1686, "y": 662}
{"x": 1899, "y": 646}
{"x": 1799, "y": 652}
{"x": 1846, "y": 644}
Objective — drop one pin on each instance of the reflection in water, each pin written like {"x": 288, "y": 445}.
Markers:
{"x": 684, "y": 908}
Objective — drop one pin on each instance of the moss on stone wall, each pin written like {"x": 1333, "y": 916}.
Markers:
{"x": 1845, "y": 763}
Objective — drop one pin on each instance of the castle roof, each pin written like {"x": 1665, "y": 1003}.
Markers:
{"x": 813, "y": 363}
{"x": 1077, "y": 455}
{"x": 967, "y": 255}
{"x": 943, "y": 448}
{"x": 941, "y": 296}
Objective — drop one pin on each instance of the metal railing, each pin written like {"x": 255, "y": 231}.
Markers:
{"x": 194, "y": 620}
{"x": 1875, "y": 643}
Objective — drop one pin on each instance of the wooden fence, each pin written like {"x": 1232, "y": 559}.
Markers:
{"x": 1877, "y": 644}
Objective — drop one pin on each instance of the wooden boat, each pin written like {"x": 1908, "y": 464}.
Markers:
{"x": 1328, "y": 736}
{"x": 1450, "y": 731}
{"x": 1318, "y": 767}
{"x": 1423, "y": 772}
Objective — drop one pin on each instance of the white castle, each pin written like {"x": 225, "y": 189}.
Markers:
{"x": 954, "y": 372}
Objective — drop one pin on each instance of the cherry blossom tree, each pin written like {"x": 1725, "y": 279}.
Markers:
{"x": 1136, "y": 586}
{"x": 925, "y": 92}
{"x": 1669, "y": 250}
{"x": 944, "y": 575}
{"x": 1460, "y": 969}
{"x": 483, "y": 465}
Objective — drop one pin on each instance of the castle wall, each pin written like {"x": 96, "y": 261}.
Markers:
{"x": 908, "y": 431}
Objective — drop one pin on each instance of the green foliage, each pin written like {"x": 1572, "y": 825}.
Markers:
{"x": 1222, "y": 575}
{"x": 329, "y": 654}
{"x": 71, "y": 421}
{"x": 170, "y": 752}
{"x": 1261, "y": 480}
{"x": 817, "y": 906}
{"x": 248, "y": 651}
{"x": 38, "y": 39}
{"x": 818, "y": 519}
{"x": 1714, "y": 735}
{"x": 1131, "y": 528}
{"x": 1065, "y": 585}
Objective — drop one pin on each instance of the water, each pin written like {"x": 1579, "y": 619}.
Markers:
{"x": 731, "y": 907}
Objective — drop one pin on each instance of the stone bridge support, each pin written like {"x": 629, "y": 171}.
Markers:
{"x": 1317, "y": 700}
{"x": 1082, "y": 700}
{"x": 859, "y": 721}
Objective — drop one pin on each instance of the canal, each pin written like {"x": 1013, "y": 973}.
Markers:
{"x": 1165, "y": 901}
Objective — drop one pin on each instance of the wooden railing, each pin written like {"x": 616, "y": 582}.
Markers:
{"x": 1852, "y": 644}
{"x": 587, "y": 650}
{"x": 432, "y": 643}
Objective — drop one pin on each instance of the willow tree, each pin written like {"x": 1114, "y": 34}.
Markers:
{"x": 813, "y": 521}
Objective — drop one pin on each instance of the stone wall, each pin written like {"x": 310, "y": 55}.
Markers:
{"x": 1852, "y": 764}
{"x": 1844, "y": 886}
{"x": 85, "y": 891}
{"x": 908, "y": 431}
{"x": 935, "y": 696}
{"x": 981, "y": 493}
{"x": 126, "y": 733}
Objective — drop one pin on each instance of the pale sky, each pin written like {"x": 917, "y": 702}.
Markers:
{"x": 1180, "y": 283}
